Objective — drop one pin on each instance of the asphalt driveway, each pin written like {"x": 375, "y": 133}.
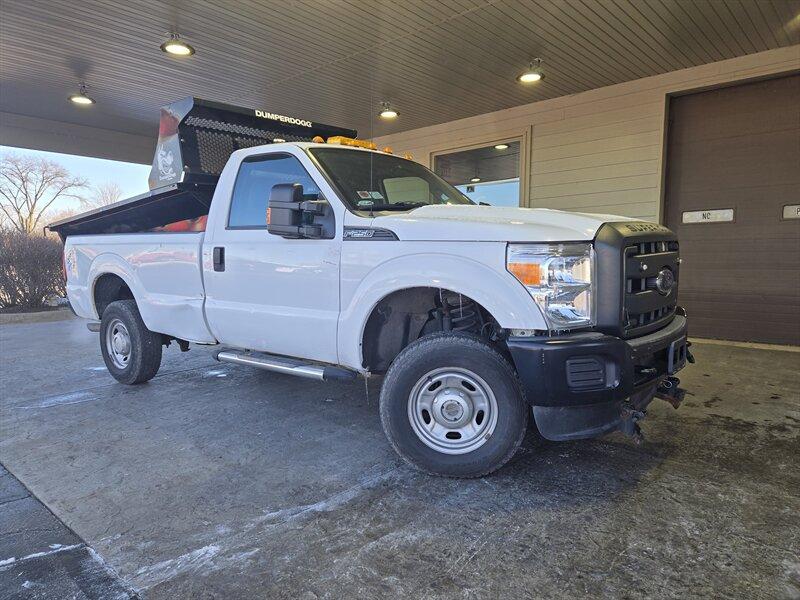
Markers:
{"x": 218, "y": 481}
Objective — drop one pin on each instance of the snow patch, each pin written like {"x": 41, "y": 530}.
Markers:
{"x": 215, "y": 373}
{"x": 328, "y": 504}
{"x": 240, "y": 556}
{"x": 28, "y": 585}
{"x": 230, "y": 549}
{"x": 54, "y": 549}
{"x": 196, "y": 561}
{"x": 62, "y": 400}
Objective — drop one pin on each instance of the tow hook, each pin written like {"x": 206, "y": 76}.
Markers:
{"x": 668, "y": 390}
{"x": 629, "y": 423}
{"x": 689, "y": 355}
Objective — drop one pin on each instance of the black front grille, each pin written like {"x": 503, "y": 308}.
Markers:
{"x": 636, "y": 263}
{"x": 645, "y": 306}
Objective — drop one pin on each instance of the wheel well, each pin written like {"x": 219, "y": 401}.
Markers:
{"x": 406, "y": 315}
{"x": 109, "y": 288}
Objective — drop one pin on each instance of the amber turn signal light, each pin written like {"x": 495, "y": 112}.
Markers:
{"x": 527, "y": 273}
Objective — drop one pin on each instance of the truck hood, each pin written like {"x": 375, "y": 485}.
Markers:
{"x": 493, "y": 224}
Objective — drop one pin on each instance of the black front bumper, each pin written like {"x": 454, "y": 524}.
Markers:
{"x": 577, "y": 383}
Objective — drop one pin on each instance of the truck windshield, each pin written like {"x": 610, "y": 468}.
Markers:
{"x": 369, "y": 181}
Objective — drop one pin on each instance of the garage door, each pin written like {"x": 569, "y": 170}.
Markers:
{"x": 732, "y": 195}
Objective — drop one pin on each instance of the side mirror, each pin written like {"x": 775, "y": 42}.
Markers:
{"x": 290, "y": 214}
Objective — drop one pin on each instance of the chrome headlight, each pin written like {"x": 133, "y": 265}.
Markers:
{"x": 559, "y": 277}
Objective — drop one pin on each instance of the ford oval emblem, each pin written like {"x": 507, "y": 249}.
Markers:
{"x": 665, "y": 281}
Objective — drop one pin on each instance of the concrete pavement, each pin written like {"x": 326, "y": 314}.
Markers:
{"x": 218, "y": 481}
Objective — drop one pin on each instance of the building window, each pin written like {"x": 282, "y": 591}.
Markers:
{"x": 489, "y": 174}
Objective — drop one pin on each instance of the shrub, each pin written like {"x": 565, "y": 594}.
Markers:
{"x": 30, "y": 269}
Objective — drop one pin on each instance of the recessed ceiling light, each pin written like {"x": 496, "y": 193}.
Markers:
{"x": 387, "y": 112}
{"x": 501, "y": 147}
{"x": 533, "y": 73}
{"x": 475, "y": 179}
{"x": 176, "y": 46}
{"x": 81, "y": 98}
{"x": 530, "y": 77}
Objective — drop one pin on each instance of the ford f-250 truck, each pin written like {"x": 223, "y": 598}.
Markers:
{"x": 336, "y": 260}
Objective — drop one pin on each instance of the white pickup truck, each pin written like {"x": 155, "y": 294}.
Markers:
{"x": 335, "y": 261}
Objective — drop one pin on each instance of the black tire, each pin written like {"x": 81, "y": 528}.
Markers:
{"x": 453, "y": 350}
{"x": 144, "y": 357}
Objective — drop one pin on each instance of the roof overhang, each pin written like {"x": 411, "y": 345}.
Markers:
{"x": 335, "y": 62}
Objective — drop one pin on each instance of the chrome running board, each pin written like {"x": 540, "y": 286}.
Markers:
{"x": 281, "y": 364}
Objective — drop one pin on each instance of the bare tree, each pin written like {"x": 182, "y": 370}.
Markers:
{"x": 54, "y": 216}
{"x": 29, "y": 186}
{"x": 103, "y": 195}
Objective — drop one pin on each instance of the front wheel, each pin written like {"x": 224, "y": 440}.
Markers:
{"x": 131, "y": 351}
{"x": 452, "y": 405}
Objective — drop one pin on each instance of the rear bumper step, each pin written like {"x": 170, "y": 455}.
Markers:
{"x": 281, "y": 364}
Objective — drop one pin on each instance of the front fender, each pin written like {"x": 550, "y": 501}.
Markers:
{"x": 493, "y": 288}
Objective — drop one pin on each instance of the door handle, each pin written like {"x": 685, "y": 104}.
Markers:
{"x": 219, "y": 258}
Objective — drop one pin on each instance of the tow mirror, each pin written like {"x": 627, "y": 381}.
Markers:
{"x": 290, "y": 213}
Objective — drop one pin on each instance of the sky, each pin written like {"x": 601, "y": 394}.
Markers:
{"x": 131, "y": 177}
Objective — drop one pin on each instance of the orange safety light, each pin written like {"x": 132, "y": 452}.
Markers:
{"x": 346, "y": 141}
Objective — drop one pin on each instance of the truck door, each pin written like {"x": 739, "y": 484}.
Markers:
{"x": 265, "y": 292}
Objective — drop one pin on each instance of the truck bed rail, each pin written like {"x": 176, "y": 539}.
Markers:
{"x": 144, "y": 212}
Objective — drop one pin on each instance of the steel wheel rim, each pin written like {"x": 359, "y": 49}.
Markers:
{"x": 118, "y": 343}
{"x": 452, "y": 410}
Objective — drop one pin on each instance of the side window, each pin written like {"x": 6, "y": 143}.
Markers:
{"x": 254, "y": 183}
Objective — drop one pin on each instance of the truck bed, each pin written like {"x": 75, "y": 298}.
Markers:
{"x": 168, "y": 285}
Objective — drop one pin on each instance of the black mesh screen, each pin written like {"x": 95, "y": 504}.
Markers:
{"x": 216, "y": 140}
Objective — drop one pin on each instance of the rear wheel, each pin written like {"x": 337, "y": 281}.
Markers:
{"x": 132, "y": 352}
{"x": 452, "y": 405}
